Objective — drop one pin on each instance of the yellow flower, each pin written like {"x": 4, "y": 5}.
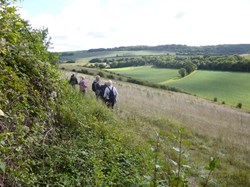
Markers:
{"x": 1, "y": 113}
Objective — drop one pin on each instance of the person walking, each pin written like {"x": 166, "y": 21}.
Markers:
{"x": 83, "y": 85}
{"x": 96, "y": 86}
{"x": 110, "y": 94}
{"x": 73, "y": 80}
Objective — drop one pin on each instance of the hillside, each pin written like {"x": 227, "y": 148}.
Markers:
{"x": 216, "y": 50}
{"x": 52, "y": 135}
{"x": 211, "y": 129}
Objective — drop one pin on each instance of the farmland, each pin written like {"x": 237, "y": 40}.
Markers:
{"x": 228, "y": 87}
{"x": 147, "y": 73}
{"x": 80, "y": 56}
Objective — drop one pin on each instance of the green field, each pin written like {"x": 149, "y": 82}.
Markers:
{"x": 86, "y": 56}
{"x": 230, "y": 87}
{"x": 147, "y": 73}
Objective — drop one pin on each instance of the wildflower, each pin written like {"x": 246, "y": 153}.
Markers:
{"x": 1, "y": 113}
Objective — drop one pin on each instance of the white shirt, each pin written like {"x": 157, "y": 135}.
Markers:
{"x": 107, "y": 90}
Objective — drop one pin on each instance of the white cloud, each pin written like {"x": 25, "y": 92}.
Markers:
{"x": 89, "y": 24}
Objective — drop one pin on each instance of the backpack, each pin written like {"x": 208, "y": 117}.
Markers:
{"x": 112, "y": 96}
{"x": 102, "y": 90}
{"x": 94, "y": 86}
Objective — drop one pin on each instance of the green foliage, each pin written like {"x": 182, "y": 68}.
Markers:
{"x": 101, "y": 74}
{"x": 182, "y": 72}
{"x": 70, "y": 61}
{"x": 95, "y": 60}
{"x": 211, "y": 167}
{"x": 239, "y": 105}
{"x": 49, "y": 134}
{"x": 110, "y": 77}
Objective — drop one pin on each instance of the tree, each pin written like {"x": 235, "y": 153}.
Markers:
{"x": 182, "y": 72}
{"x": 190, "y": 67}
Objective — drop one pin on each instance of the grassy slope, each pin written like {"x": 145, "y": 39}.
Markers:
{"x": 211, "y": 129}
{"x": 231, "y": 87}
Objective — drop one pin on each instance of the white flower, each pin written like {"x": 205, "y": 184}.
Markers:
{"x": 54, "y": 94}
{"x": 1, "y": 113}
{"x": 3, "y": 42}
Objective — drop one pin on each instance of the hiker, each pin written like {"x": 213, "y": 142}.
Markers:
{"x": 102, "y": 90}
{"x": 110, "y": 94}
{"x": 96, "y": 86}
{"x": 73, "y": 80}
{"x": 83, "y": 85}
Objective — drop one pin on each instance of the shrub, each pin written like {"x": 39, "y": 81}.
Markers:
{"x": 182, "y": 72}
{"x": 111, "y": 77}
{"x": 223, "y": 102}
{"x": 101, "y": 74}
{"x": 215, "y": 99}
{"x": 70, "y": 61}
{"x": 239, "y": 105}
{"x": 84, "y": 71}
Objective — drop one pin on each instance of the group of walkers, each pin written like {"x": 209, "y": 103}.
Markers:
{"x": 82, "y": 83}
{"x": 106, "y": 92}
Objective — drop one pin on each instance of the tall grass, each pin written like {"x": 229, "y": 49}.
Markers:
{"x": 212, "y": 129}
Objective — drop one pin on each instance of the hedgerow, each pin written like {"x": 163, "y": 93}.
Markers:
{"x": 49, "y": 134}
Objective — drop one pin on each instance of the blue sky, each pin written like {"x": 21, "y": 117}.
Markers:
{"x": 86, "y": 24}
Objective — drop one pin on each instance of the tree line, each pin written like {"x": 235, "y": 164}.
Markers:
{"x": 212, "y": 50}
{"x": 220, "y": 63}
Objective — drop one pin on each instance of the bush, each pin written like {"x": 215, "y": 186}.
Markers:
{"x": 239, "y": 105}
{"x": 84, "y": 71}
{"x": 70, "y": 61}
{"x": 182, "y": 72}
{"x": 215, "y": 99}
{"x": 110, "y": 76}
{"x": 223, "y": 102}
{"x": 101, "y": 74}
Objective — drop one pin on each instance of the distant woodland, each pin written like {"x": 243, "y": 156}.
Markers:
{"x": 222, "y": 63}
{"x": 214, "y": 50}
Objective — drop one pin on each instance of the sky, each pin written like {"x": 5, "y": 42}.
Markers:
{"x": 87, "y": 24}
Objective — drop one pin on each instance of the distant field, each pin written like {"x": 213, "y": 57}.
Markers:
{"x": 246, "y": 56}
{"x": 147, "y": 73}
{"x": 86, "y": 56}
{"x": 232, "y": 88}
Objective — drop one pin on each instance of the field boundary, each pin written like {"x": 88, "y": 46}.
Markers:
{"x": 177, "y": 79}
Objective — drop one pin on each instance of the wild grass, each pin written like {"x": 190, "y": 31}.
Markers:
{"x": 212, "y": 129}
